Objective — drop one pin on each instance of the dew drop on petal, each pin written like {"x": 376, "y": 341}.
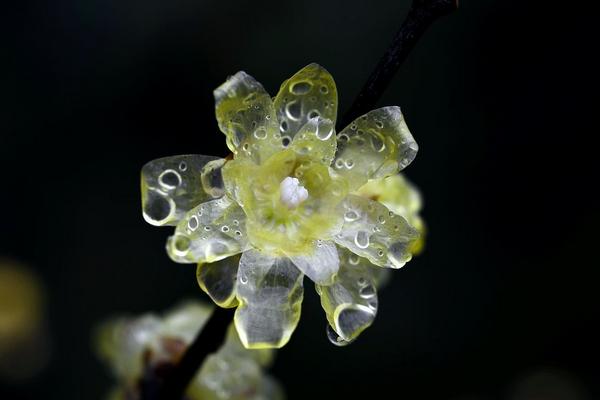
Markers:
{"x": 334, "y": 338}
{"x": 362, "y": 239}
{"x": 301, "y": 88}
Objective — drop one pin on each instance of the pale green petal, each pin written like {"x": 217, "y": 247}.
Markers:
{"x": 321, "y": 264}
{"x": 185, "y": 321}
{"x": 210, "y": 232}
{"x": 270, "y": 293}
{"x": 310, "y": 93}
{"x": 121, "y": 343}
{"x": 350, "y": 303}
{"x": 219, "y": 280}
{"x": 171, "y": 186}
{"x": 316, "y": 141}
{"x": 372, "y": 231}
{"x": 246, "y": 116}
{"x": 226, "y": 377}
{"x": 375, "y": 145}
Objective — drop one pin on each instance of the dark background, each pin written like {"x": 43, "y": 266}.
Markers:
{"x": 499, "y": 97}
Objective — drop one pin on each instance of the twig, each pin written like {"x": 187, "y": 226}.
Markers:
{"x": 421, "y": 15}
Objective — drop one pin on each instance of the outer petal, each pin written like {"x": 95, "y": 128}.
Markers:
{"x": 270, "y": 293}
{"x": 350, "y": 303}
{"x": 171, "y": 186}
{"x": 321, "y": 264}
{"x": 210, "y": 232}
{"x": 246, "y": 116}
{"x": 375, "y": 145}
{"x": 374, "y": 232}
{"x": 316, "y": 141}
{"x": 219, "y": 280}
{"x": 310, "y": 93}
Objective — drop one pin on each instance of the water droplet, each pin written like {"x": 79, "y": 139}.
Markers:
{"x": 324, "y": 131}
{"x": 362, "y": 239}
{"x": 236, "y": 222}
{"x": 381, "y": 219}
{"x": 324, "y": 89}
{"x": 246, "y": 146}
{"x": 169, "y": 179}
{"x": 207, "y": 228}
{"x": 181, "y": 244}
{"x": 313, "y": 114}
{"x": 334, "y": 338}
{"x": 224, "y": 228}
{"x": 343, "y": 137}
{"x": 353, "y": 127}
{"x": 351, "y": 216}
{"x": 260, "y": 133}
{"x": 193, "y": 223}
{"x": 339, "y": 163}
{"x": 243, "y": 279}
{"x": 300, "y": 88}
{"x": 286, "y": 140}
{"x": 293, "y": 110}
{"x": 238, "y": 233}
{"x": 367, "y": 292}
{"x": 380, "y": 253}
{"x": 361, "y": 281}
{"x": 352, "y": 319}
{"x": 379, "y": 124}
{"x": 182, "y": 166}
{"x": 349, "y": 164}
{"x": 283, "y": 127}
{"x": 377, "y": 143}
{"x": 353, "y": 259}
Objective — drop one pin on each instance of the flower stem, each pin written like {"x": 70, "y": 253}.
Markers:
{"x": 421, "y": 15}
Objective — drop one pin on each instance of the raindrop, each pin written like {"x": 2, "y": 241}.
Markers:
{"x": 293, "y": 110}
{"x": 362, "y": 239}
{"x": 193, "y": 223}
{"x": 260, "y": 133}
{"x": 301, "y": 88}
{"x": 367, "y": 292}
{"x": 169, "y": 179}
{"x": 334, "y": 338}
{"x": 182, "y": 166}
{"x": 224, "y": 228}
{"x": 351, "y": 216}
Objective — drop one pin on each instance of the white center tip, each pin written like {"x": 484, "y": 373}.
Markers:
{"x": 292, "y": 193}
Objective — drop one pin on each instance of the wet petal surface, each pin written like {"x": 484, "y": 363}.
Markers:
{"x": 219, "y": 280}
{"x": 374, "y": 145}
{"x": 350, "y": 303}
{"x": 210, "y": 232}
{"x": 320, "y": 264}
{"x": 171, "y": 186}
{"x": 270, "y": 293}
{"x": 310, "y": 93}
{"x": 372, "y": 231}
{"x": 246, "y": 116}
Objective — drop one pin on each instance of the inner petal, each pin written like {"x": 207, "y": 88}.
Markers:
{"x": 292, "y": 193}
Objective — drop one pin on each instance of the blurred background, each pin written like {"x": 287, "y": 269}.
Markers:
{"x": 501, "y": 305}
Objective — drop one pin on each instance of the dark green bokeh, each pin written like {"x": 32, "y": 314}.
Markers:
{"x": 495, "y": 96}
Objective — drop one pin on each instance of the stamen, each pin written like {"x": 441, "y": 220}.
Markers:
{"x": 292, "y": 193}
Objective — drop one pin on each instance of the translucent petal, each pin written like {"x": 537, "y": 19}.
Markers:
{"x": 246, "y": 116}
{"x": 350, "y": 303}
{"x": 310, "y": 93}
{"x": 122, "y": 342}
{"x": 316, "y": 141}
{"x": 321, "y": 264}
{"x": 403, "y": 198}
{"x": 226, "y": 376}
{"x": 210, "y": 232}
{"x": 375, "y": 145}
{"x": 270, "y": 293}
{"x": 233, "y": 345}
{"x": 374, "y": 232}
{"x": 171, "y": 186}
{"x": 219, "y": 280}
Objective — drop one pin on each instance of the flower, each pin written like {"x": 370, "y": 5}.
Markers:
{"x": 287, "y": 204}
{"x": 140, "y": 348}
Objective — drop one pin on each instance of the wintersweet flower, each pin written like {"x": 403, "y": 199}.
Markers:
{"x": 140, "y": 348}
{"x": 286, "y": 205}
